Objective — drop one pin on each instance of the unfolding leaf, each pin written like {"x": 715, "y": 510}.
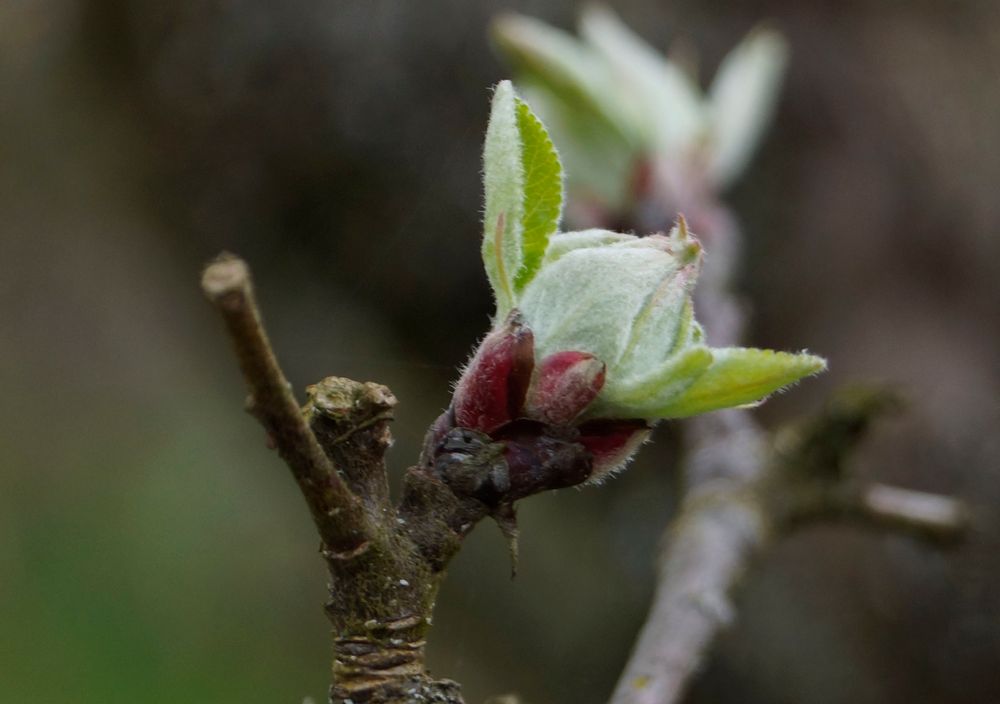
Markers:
{"x": 644, "y": 396}
{"x": 522, "y": 180}
{"x": 565, "y": 242}
{"x": 661, "y": 326}
{"x": 543, "y": 192}
{"x": 597, "y": 162}
{"x": 740, "y": 376}
{"x": 503, "y": 183}
{"x": 587, "y": 299}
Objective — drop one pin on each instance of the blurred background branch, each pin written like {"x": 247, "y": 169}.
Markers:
{"x": 335, "y": 145}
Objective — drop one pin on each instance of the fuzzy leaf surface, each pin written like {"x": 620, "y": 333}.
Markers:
{"x": 739, "y": 376}
{"x": 503, "y": 184}
{"x": 643, "y": 397}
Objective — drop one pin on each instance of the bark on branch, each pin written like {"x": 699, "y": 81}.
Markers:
{"x": 338, "y": 514}
{"x": 746, "y": 491}
{"x": 385, "y": 562}
{"x": 381, "y": 588}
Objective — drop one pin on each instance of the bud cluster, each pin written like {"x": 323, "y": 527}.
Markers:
{"x": 594, "y": 340}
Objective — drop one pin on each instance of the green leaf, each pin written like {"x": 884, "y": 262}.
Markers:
{"x": 642, "y": 397}
{"x": 503, "y": 184}
{"x": 742, "y": 100}
{"x": 543, "y": 192}
{"x": 659, "y": 326}
{"x": 740, "y": 376}
{"x": 586, "y": 300}
{"x": 574, "y": 90}
{"x": 597, "y": 162}
{"x": 565, "y": 242}
{"x": 522, "y": 180}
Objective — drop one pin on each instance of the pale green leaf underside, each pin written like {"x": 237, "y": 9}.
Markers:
{"x": 503, "y": 183}
{"x": 543, "y": 192}
{"x": 657, "y": 324}
{"x": 565, "y": 242}
{"x": 664, "y": 103}
{"x": 742, "y": 100}
{"x": 522, "y": 180}
{"x": 740, "y": 376}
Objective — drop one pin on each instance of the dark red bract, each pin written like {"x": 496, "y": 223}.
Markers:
{"x": 492, "y": 389}
{"x": 503, "y": 394}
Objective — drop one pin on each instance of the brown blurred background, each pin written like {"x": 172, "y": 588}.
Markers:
{"x": 151, "y": 548}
